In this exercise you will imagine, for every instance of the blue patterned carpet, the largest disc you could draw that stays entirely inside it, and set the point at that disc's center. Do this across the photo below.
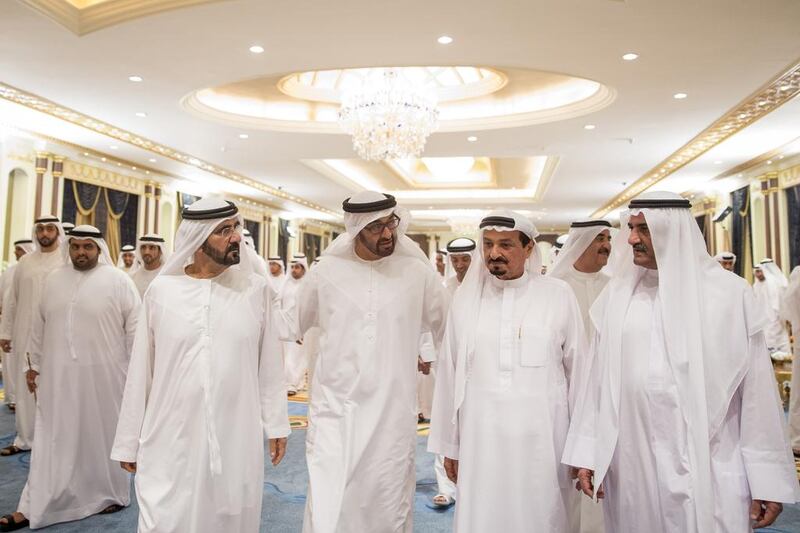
(284, 491)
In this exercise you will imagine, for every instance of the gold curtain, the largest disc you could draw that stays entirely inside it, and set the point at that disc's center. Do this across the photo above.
(113, 237)
(84, 215)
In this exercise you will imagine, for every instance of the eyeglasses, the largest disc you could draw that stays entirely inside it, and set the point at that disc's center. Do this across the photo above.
(377, 227)
(227, 232)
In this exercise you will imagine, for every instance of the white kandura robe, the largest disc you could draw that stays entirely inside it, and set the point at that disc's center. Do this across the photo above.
(277, 282)
(6, 358)
(648, 486)
(19, 310)
(295, 356)
(443, 483)
(587, 286)
(360, 445)
(81, 343)
(511, 429)
(142, 278)
(769, 295)
(204, 384)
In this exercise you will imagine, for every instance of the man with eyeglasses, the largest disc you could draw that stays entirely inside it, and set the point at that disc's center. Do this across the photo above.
(205, 376)
(373, 295)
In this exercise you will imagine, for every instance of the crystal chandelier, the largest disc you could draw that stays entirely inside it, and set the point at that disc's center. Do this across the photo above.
(388, 117)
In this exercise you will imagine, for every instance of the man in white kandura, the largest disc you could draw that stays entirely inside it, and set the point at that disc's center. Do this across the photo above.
(19, 309)
(769, 286)
(295, 359)
(501, 407)
(21, 247)
(81, 341)
(441, 261)
(127, 255)
(373, 295)
(67, 227)
(580, 263)
(276, 275)
(204, 384)
(790, 312)
(679, 425)
(727, 260)
(459, 258)
(151, 255)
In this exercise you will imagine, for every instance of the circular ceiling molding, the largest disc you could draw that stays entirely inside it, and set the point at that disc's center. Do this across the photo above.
(470, 98)
(448, 83)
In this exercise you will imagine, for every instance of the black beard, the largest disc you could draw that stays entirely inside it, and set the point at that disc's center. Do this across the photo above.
(227, 258)
(44, 242)
(376, 248)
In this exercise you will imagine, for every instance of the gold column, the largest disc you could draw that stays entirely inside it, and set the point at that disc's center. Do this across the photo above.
(41, 168)
(148, 193)
(709, 208)
(265, 222)
(58, 171)
(157, 212)
(774, 190)
(767, 214)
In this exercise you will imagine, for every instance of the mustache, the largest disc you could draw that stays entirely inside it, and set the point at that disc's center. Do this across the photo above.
(499, 260)
(232, 247)
(639, 247)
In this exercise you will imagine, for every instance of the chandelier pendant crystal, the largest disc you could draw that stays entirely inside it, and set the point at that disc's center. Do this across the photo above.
(388, 117)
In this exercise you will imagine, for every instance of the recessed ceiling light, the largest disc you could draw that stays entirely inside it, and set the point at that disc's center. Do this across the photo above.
(119, 164)
(114, 147)
(86, 154)
(589, 127)
(472, 138)
(133, 168)
(147, 172)
(136, 79)
(630, 56)
(244, 136)
(444, 39)
(103, 159)
(679, 96)
(780, 157)
(256, 49)
(769, 162)
(141, 114)
(152, 160)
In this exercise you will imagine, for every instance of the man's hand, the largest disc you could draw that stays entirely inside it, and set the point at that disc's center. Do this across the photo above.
(451, 469)
(30, 378)
(5, 345)
(585, 483)
(424, 367)
(277, 449)
(128, 467)
(764, 513)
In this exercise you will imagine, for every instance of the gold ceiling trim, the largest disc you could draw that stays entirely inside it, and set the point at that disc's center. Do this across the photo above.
(773, 155)
(409, 180)
(95, 16)
(53, 109)
(763, 101)
(151, 173)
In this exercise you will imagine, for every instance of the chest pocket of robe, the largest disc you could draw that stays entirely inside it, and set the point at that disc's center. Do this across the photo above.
(535, 346)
